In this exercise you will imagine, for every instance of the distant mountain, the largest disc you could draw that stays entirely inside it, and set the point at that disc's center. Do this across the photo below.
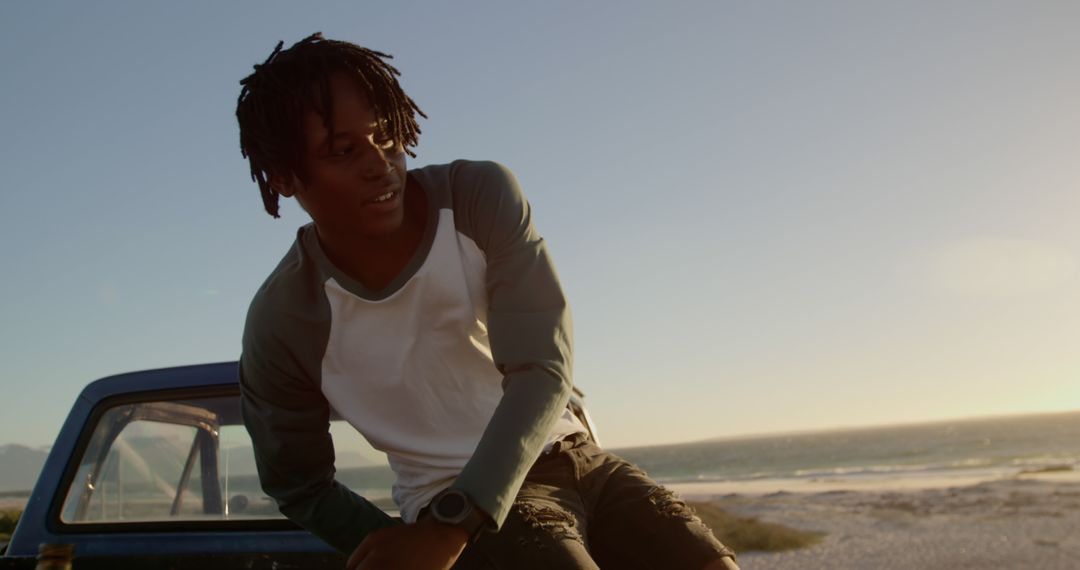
(20, 466)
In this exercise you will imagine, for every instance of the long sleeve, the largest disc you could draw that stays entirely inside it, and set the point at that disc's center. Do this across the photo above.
(530, 334)
(288, 420)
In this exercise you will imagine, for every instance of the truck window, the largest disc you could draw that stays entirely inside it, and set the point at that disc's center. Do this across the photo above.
(191, 459)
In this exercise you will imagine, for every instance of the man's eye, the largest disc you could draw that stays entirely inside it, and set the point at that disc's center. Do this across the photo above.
(342, 151)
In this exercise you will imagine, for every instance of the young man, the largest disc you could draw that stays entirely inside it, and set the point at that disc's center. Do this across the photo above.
(423, 308)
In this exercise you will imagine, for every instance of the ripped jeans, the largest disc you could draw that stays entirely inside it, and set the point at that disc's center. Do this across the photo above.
(584, 508)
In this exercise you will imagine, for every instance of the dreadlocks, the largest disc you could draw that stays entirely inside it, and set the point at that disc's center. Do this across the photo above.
(275, 97)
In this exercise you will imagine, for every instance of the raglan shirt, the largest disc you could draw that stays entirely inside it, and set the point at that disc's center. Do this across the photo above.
(459, 370)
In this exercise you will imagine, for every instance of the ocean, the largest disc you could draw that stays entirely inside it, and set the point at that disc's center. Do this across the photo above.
(985, 447)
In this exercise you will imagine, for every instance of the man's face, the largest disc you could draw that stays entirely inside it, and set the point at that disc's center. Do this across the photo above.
(356, 180)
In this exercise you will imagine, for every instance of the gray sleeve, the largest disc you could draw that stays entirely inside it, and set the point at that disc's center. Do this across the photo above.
(288, 419)
(529, 329)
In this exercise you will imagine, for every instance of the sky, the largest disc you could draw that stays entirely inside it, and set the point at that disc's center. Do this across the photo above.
(767, 216)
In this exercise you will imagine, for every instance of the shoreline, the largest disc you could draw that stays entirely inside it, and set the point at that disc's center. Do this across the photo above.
(708, 490)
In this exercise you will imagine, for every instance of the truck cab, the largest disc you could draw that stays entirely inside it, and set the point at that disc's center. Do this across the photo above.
(155, 469)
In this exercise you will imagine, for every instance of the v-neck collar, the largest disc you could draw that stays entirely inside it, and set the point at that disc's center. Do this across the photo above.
(354, 286)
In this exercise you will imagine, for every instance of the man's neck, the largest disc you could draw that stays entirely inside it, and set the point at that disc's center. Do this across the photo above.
(377, 261)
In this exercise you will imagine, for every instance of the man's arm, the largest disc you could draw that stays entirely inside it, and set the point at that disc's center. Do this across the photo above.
(288, 419)
(529, 330)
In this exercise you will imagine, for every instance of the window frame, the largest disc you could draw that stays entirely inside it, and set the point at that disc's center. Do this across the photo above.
(82, 446)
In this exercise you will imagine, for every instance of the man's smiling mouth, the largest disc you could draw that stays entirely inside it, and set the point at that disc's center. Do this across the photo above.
(382, 197)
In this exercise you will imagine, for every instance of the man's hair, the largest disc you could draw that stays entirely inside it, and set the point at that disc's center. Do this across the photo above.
(275, 97)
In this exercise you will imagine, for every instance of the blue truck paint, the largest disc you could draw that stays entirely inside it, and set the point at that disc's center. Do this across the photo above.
(40, 524)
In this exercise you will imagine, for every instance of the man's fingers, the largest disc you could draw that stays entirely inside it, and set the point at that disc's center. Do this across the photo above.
(361, 552)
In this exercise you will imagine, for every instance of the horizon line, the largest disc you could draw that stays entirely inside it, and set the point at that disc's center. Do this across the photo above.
(856, 427)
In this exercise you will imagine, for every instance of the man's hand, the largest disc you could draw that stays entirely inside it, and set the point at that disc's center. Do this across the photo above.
(424, 545)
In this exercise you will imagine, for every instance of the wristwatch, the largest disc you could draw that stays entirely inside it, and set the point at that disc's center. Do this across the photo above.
(452, 506)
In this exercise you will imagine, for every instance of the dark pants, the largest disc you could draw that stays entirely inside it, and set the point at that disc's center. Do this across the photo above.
(584, 508)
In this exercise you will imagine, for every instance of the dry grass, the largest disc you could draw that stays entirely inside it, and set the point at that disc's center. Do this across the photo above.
(8, 518)
(1047, 469)
(743, 534)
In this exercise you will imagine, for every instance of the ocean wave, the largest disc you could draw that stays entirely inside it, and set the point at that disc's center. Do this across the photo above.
(1047, 461)
(1004, 465)
(858, 470)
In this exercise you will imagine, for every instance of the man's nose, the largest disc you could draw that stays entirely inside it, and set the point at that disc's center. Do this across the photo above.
(376, 164)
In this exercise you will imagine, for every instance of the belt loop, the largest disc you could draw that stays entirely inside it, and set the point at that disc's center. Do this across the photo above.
(567, 442)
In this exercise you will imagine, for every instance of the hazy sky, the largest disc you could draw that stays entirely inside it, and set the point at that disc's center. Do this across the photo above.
(768, 216)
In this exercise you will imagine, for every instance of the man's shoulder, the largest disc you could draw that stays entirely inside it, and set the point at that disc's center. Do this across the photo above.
(485, 196)
(461, 167)
(291, 291)
(463, 179)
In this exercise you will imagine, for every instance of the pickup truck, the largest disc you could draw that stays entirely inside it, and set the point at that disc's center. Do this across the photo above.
(155, 470)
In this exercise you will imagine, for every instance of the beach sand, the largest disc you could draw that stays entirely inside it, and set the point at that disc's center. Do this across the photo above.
(1023, 521)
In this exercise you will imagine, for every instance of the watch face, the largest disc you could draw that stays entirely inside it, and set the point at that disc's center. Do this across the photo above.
(450, 505)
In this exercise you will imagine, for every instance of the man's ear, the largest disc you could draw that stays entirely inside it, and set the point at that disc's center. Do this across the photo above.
(287, 186)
